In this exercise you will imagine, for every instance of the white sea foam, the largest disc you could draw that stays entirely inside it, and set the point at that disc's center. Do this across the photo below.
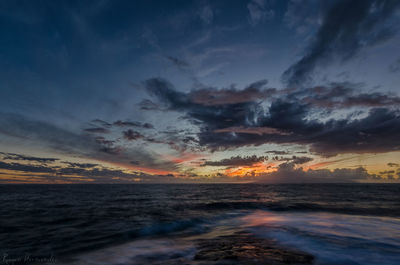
(332, 238)
(137, 252)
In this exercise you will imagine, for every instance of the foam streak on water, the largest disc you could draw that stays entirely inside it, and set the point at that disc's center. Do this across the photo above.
(332, 238)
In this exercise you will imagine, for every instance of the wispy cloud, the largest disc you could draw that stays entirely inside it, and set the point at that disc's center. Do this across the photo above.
(206, 14)
(348, 26)
(260, 11)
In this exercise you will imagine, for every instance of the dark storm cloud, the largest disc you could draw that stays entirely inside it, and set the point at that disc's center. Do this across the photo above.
(91, 173)
(237, 161)
(11, 156)
(149, 105)
(283, 116)
(111, 150)
(27, 168)
(287, 120)
(371, 100)
(348, 26)
(213, 96)
(81, 165)
(377, 132)
(301, 159)
(120, 123)
(374, 133)
(132, 135)
(274, 152)
(180, 140)
(103, 141)
(287, 173)
(295, 160)
(345, 95)
(215, 116)
(389, 174)
(126, 123)
(97, 130)
(166, 92)
(148, 125)
(101, 123)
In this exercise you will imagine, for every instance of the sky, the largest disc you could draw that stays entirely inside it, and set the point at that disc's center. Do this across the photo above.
(261, 91)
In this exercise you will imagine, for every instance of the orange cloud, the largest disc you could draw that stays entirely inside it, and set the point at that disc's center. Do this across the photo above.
(253, 170)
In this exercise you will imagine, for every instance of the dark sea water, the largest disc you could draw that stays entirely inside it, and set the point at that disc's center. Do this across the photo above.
(200, 224)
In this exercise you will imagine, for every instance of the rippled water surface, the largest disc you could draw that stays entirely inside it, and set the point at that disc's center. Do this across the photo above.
(172, 224)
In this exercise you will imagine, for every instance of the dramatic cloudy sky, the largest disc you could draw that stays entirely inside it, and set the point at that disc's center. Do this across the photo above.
(199, 91)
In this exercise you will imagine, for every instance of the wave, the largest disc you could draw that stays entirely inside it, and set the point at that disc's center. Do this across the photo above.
(144, 251)
(171, 227)
(299, 206)
(332, 238)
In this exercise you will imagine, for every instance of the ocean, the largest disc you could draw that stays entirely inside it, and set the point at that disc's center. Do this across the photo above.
(200, 224)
